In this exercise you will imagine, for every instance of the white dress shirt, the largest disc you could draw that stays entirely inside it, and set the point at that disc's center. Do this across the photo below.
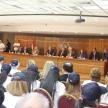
(0, 68)
(14, 71)
(8, 80)
(10, 100)
(89, 81)
(16, 48)
(2, 46)
(104, 99)
(59, 87)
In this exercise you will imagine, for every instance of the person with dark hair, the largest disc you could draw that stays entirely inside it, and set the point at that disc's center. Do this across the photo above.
(67, 68)
(1, 61)
(31, 74)
(90, 96)
(52, 85)
(62, 53)
(4, 78)
(94, 55)
(2, 97)
(49, 51)
(81, 55)
(105, 55)
(8, 46)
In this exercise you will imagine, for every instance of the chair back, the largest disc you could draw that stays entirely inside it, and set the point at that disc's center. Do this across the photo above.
(41, 51)
(29, 50)
(54, 50)
(74, 50)
(66, 101)
(41, 79)
(9, 75)
(46, 94)
(101, 106)
(63, 83)
(85, 53)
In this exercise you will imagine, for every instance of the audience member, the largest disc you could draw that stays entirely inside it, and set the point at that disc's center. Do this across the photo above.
(33, 100)
(71, 54)
(94, 55)
(4, 78)
(95, 76)
(14, 66)
(90, 96)
(8, 46)
(81, 55)
(62, 53)
(46, 68)
(73, 86)
(105, 55)
(36, 50)
(52, 85)
(31, 74)
(15, 90)
(16, 46)
(104, 98)
(1, 61)
(2, 46)
(49, 52)
(67, 68)
(2, 97)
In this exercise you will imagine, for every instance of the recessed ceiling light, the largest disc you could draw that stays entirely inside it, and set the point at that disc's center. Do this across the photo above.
(25, 18)
(33, 31)
(52, 31)
(101, 2)
(102, 33)
(95, 19)
(1, 19)
(19, 31)
(91, 7)
(76, 32)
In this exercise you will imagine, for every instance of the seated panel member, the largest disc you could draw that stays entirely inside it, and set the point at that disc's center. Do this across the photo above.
(105, 55)
(71, 53)
(36, 50)
(49, 52)
(67, 68)
(2, 46)
(62, 52)
(20, 51)
(16, 46)
(81, 55)
(94, 55)
(25, 51)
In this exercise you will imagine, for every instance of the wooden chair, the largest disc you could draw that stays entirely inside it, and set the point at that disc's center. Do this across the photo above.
(41, 79)
(102, 106)
(66, 101)
(46, 94)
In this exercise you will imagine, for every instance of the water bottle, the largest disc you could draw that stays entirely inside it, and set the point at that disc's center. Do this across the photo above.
(9, 50)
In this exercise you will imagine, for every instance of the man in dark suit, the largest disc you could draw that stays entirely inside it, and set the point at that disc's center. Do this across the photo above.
(49, 52)
(94, 55)
(62, 53)
(8, 46)
(67, 68)
(105, 55)
(71, 53)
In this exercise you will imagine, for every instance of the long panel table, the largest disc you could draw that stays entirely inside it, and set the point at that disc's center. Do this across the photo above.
(79, 65)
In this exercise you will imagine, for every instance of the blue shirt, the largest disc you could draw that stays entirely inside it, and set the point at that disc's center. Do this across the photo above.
(83, 55)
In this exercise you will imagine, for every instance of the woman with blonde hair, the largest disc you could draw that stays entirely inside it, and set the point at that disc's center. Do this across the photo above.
(73, 86)
(15, 90)
(104, 98)
(46, 69)
(30, 62)
(36, 50)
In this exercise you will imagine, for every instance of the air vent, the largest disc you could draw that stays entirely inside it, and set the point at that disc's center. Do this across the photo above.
(85, 3)
(6, 25)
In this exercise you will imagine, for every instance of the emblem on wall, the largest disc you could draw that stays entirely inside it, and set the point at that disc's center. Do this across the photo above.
(65, 45)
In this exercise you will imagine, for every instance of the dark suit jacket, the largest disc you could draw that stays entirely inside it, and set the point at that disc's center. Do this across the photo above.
(49, 52)
(63, 77)
(105, 56)
(73, 54)
(8, 47)
(64, 53)
(97, 56)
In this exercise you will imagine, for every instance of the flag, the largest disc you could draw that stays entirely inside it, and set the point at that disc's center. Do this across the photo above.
(33, 44)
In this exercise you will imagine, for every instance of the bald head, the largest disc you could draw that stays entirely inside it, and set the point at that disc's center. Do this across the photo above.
(67, 67)
(33, 100)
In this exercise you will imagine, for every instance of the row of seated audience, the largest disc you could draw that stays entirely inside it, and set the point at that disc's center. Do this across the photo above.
(18, 86)
(68, 53)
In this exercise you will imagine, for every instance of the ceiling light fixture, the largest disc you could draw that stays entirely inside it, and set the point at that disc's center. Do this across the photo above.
(91, 7)
(102, 33)
(76, 32)
(101, 2)
(56, 18)
(104, 7)
(95, 19)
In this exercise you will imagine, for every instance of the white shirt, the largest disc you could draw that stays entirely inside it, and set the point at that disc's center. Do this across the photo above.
(104, 99)
(61, 92)
(89, 81)
(10, 100)
(16, 48)
(0, 68)
(35, 85)
(8, 80)
(2, 46)
(59, 87)
(14, 71)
